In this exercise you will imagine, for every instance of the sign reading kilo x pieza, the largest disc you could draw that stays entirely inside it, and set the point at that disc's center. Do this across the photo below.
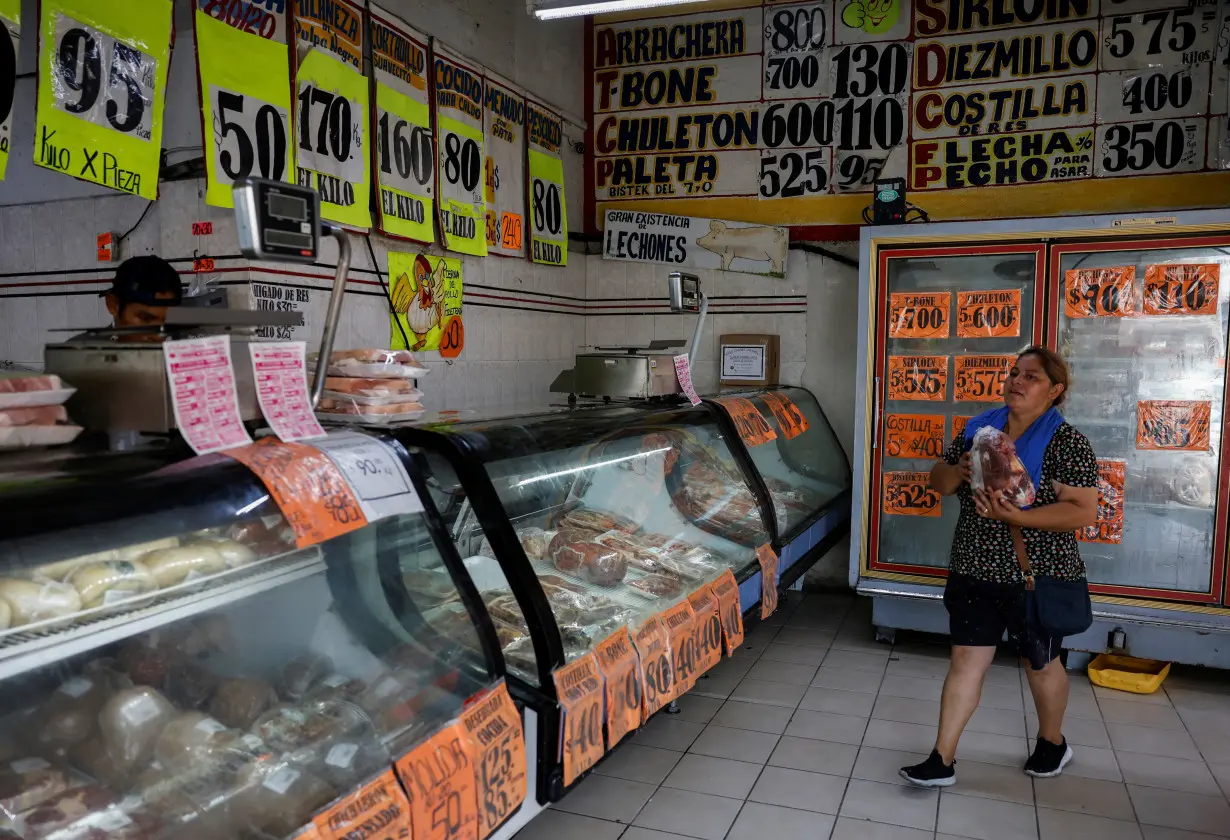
(687, 242)
(246, 105)
(332, 152)
(102, 77)
(10, 39)
(504, 168)
(547, 205)
(459, 123)
(405, 146)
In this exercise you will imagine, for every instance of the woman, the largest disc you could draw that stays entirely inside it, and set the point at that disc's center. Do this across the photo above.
(985, 594)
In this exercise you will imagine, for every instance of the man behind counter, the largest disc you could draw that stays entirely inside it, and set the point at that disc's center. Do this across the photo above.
(143, 289)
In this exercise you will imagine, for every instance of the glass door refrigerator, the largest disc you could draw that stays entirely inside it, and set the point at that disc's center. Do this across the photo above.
(1138, 308)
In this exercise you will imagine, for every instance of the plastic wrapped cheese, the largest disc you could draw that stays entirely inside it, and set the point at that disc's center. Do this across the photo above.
(37, 600)
(28, 782)
(60, 570)
(109, 582)
(70, 714)
(139, 550)
(171, 566)
(233, 553)
(193, 740)
(131, 722)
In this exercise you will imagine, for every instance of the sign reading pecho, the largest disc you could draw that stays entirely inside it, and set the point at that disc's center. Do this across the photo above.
(695, 243)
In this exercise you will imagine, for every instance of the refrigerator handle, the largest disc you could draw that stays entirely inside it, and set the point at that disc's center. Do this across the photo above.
(875, 418)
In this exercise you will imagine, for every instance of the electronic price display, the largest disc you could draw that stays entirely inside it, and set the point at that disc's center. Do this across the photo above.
(277, 221)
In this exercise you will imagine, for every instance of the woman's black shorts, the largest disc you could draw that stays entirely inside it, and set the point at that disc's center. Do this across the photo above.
(980, 612)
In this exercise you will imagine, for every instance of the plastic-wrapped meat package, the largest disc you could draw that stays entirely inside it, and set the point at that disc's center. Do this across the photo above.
(26, 783)
(239, 702)
(596, 521)
(130, 723)
(372, 391)
(70, 714)
(591, 561)
(275, 797)
(718, 503)
(639, 552)
(43, 415)
(195, 740)
(144, 661)
(301, 673)
(21, 383)
(66, 809)
(375, 363)
(996, 468)
(190, 685)
(535, 542)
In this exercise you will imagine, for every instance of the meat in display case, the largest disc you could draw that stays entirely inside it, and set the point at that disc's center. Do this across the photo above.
(177, 662)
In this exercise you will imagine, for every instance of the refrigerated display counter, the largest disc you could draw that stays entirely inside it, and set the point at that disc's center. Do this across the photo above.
(1139, 308)
(174, 664)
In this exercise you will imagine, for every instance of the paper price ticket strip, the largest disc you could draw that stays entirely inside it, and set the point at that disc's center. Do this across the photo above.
(1138, 308)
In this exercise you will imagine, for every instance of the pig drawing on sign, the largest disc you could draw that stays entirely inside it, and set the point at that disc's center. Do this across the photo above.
(759, 244)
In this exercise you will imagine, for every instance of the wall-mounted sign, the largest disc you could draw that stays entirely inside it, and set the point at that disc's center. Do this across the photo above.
(548, 207)
(10, 40)
(426, 294)
(695, 243)
(459, 123)
(504, 168)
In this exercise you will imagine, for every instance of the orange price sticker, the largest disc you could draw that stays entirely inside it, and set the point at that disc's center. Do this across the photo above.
(679, 622)
(1183, 289)
(993, 314)
(493, 726)
(789, 419)
(1099, 292)
(624, 684)
(512, 235)
(452, 337)
(914, 435)
(727, 592)
(749, 422)
(912, 315)
(959, 422)
(1173, 424)
(579, 687)
(380, 802)
(308, 488)
(202, 264)
(909, 494)
(918, 378)
(981, 378)
(1109, 527)
(654, 649)
(768, 560)
(707, 629)
(439, 777)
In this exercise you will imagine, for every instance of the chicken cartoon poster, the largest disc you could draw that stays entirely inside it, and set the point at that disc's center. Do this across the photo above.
(425, 293)
(687, 242)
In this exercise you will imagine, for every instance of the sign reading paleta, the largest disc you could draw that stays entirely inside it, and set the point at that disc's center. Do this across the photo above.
(786, 100)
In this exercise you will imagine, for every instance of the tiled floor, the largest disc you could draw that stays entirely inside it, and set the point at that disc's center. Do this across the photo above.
(801, 733)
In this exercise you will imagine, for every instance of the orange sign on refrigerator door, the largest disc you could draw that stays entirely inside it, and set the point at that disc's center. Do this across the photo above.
(1182, 289)
(789, 418)
(910, 494)
(918, 378)
(1109, 526)
(727, 592)
(1181, 425)
(981, 378)
(1100, 292)
(991, 314)
(439, 778)
(654, 649)
(915, 315)
(914, 435)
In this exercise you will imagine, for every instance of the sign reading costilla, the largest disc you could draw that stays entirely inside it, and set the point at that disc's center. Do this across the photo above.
(695, 243)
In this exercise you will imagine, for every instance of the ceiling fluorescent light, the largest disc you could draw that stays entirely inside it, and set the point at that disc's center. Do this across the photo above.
(599, 7)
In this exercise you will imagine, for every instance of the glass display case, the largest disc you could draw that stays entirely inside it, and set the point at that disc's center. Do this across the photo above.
(172, 665)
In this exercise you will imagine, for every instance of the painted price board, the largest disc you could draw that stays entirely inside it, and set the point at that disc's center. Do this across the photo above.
(1158, 37)
(548, 207)
(1000, 160)
(981, 378)
(426, 296)
(10, 41)
(440, 779)
(581, 692)
(790, 420)
(381, 802)
(1173, 425)
(858, 21)
(102, 78)
(265, 19)
(459, 125)
(625, 684)
(246, 106)
(909, 494)
(768, 560)
(1025, 53)
(1182, 289)
(680, 622)
(727, 592)
(504, 117)
(1156, 93)
(332, 152)
(493, 725)
(796, 47)
(1100, 292)
(749, 422)
(707, 629)
(990, 314)
(914, 435)
(402, 127)
(1151, 147)
(654, 649)
(919, 315)
(918, 378)
(1033, 105)
(1108, 529)
(933, 17)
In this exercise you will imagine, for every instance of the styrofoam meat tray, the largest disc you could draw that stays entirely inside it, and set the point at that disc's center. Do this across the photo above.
(369, 419)
(25, 437)
(30, 399)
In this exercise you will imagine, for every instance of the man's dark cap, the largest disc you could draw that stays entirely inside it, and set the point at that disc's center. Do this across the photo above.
(143, 279)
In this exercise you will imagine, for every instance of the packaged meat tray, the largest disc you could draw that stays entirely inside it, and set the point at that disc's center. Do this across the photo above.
(346, 410)
(29, 437)
(371, 391)
(996, 468)
(43, 415)
(28, 390)
(374, 363)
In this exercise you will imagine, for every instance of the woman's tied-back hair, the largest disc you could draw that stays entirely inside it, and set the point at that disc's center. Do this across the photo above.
(1055, 367)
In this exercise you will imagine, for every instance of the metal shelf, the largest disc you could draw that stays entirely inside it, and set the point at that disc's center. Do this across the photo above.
(35, 645)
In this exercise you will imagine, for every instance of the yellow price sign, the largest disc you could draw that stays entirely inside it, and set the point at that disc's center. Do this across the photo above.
(504, 139)
(548, 208)
(459, 121)
(246, 106)
(426, 292)
(10, 39)
(102, 78)
(332, 153)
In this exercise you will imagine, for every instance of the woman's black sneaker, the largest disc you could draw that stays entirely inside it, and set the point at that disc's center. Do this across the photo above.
(931, 773)
(1048, 759)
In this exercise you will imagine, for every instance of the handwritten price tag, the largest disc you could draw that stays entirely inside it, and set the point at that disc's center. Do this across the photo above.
(1173, 425)
(654, 649)
(918, 378)
(1109, 527)
(493, 726)
(981, 378)
(919, 315)
(1100, 292)
(995, 314)
(749, 422)
(580, 689)
(439, 778)
(308, 488)
(908, 494)
(381, 802)
(375, 471)
(202, 228)
(624, 684)
(768, 560)
(727, 592)
(707, 628)
(789, 418)
(1184, 289)
(959, 422)
(914, 435)
(202, 265)
(679, 622)
(452, 337)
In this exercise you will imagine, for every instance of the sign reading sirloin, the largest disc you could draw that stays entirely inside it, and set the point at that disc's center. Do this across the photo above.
(695, 243)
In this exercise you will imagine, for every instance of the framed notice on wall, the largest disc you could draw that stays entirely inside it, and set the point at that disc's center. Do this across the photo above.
(749, 360)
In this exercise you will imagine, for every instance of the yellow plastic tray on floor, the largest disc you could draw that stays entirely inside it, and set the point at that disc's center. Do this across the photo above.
(1127, 673)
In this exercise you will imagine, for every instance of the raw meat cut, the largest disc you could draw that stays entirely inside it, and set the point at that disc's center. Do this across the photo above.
(21, 383)
(43, 415)
(996, 468)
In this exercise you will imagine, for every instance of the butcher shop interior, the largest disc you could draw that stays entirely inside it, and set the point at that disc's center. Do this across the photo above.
(614, 419)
